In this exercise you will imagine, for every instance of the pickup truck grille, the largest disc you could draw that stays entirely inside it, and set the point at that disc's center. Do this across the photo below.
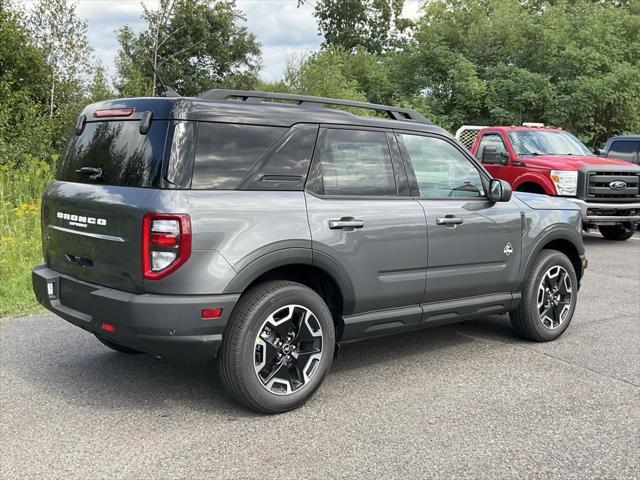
(602, 185)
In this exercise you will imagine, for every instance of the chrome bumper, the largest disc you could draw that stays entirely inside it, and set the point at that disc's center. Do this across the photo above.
(589, 208)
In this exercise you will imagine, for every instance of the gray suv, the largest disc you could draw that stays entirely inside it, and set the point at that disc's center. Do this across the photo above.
(268, 229)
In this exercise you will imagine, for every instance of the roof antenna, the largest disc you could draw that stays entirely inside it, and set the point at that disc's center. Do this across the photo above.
(167, 91)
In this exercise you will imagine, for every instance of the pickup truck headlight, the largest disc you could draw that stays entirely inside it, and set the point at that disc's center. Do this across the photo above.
(566, 182)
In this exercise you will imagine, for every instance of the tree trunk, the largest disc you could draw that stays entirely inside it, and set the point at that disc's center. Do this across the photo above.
(51, 94)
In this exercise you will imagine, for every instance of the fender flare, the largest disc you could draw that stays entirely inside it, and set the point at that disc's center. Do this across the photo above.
(295, 256)
(552, 233)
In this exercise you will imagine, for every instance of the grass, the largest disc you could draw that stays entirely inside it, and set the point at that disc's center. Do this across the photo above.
(20, 244)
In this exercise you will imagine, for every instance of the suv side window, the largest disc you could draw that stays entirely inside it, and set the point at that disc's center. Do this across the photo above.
(225, 152)
(493, 140)
(441, 170)
(357, 162)
(624, 150)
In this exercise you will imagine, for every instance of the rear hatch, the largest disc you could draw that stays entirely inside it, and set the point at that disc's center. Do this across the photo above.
(92, 214)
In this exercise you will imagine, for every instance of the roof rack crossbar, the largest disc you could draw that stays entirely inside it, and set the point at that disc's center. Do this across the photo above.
(247, 96)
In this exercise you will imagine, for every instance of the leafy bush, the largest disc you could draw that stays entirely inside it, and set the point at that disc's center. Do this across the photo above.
(20, 246)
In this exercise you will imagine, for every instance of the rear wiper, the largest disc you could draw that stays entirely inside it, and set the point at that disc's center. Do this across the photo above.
(95, 173)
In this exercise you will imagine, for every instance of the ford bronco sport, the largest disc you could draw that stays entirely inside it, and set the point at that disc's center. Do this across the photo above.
(538, 159)
(265, 229)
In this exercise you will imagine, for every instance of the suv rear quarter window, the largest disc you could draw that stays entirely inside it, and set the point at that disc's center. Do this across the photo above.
(225, 153)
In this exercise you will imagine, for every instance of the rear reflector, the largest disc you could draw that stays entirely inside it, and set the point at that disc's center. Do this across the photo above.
(107, 327)
(211, 313)
(113, 112)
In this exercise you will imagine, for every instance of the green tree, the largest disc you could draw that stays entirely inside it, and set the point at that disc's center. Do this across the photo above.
(193, 44)
(573, 63)
(23, 92)
(374, 25)
(62, 36)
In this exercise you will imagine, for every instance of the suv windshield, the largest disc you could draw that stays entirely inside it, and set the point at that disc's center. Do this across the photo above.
(547, 142)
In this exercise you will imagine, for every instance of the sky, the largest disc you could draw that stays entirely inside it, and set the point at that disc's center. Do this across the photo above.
(284, 30)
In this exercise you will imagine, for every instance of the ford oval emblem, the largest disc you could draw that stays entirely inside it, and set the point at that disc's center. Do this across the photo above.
(617, 185)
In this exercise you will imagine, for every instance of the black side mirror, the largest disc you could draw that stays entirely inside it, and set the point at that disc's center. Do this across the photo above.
(499, 190)
(490, 154)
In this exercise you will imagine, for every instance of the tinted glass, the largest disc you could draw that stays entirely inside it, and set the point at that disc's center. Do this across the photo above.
(356, 162)
(225, 153)
(123, 155)
(624, 150)
(287, 165)
(442, 171)
(491, 140)
(183, 147)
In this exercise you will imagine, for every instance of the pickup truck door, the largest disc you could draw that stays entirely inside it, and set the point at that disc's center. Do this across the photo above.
(474, 245)
(494, 155)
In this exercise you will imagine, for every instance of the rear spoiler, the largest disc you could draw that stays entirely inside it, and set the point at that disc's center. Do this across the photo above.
(467, 134)
(144, 110)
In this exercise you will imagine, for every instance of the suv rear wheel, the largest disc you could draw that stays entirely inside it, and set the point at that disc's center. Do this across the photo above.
(617, 232)
(277, 347)
(548, 299)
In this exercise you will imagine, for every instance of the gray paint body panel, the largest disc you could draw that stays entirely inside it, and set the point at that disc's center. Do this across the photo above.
(398, 272)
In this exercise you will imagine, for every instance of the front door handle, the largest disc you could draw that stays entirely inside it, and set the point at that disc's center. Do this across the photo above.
(345, 223)
(449, 220)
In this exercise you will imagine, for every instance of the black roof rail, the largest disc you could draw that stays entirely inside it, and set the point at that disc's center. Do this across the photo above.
(248, 96)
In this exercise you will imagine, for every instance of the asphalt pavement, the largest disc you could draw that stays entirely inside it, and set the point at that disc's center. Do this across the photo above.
(463, 401)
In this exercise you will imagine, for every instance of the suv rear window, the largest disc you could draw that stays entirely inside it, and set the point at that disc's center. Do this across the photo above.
(225, 153)
(124, 156)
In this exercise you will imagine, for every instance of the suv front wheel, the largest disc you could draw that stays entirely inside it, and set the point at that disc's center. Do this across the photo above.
(277, 347)
(548, 298)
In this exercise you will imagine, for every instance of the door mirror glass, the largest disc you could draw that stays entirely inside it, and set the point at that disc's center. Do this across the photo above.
(492, 149)
(491, 154)
(499, 190)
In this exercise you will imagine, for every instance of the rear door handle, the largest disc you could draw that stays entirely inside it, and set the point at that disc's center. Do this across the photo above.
(345, 223)
(449, 220)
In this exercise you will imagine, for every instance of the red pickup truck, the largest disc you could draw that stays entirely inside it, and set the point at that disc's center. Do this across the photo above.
(538, 159)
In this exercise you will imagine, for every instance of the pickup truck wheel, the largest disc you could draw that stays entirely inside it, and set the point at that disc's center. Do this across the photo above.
(116, 347)
(548, 299)
(617, 232)
(277, 347)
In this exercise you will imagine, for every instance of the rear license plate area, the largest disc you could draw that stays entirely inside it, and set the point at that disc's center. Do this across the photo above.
(74, 295)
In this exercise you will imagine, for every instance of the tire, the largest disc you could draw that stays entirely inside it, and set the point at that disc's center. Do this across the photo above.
(117, 347)
(545, 313)
(619, 233)
(248, 362)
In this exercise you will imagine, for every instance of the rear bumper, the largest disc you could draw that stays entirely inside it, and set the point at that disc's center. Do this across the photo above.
(164, 325)
(607, 213)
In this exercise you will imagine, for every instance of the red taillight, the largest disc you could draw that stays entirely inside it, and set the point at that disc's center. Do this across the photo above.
(211, 313)
(107, 327)
(164, 239)
(113, 112)
(166, 243)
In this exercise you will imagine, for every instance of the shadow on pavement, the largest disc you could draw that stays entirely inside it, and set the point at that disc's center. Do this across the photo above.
(73, 367)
